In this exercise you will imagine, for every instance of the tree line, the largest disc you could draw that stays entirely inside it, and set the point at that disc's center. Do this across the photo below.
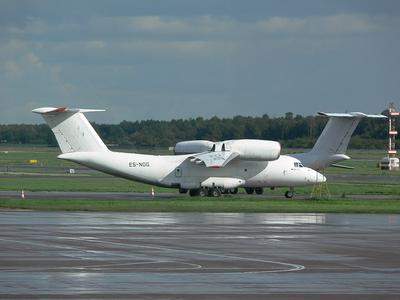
(293, 131)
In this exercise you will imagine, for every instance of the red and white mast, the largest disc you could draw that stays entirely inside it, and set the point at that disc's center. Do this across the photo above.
(393, 114)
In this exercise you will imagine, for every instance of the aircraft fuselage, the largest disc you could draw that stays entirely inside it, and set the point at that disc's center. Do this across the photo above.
(179, 172)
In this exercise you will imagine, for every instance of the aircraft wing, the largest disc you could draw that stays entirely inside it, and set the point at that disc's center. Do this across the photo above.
(214, 159)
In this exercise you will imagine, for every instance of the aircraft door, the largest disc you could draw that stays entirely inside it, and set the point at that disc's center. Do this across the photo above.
(178, 172)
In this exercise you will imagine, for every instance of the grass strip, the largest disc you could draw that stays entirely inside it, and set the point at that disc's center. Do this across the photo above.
(113, 184)
(208, 205)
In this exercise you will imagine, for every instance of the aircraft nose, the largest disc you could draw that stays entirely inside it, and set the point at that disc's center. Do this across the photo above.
(315, 177)
(320, 178)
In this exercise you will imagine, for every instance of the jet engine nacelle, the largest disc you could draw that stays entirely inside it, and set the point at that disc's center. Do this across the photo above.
(190, 147)
(257, 150)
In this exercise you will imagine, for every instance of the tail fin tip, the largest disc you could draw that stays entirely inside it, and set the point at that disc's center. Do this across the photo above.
(46, 110)
(350, 115)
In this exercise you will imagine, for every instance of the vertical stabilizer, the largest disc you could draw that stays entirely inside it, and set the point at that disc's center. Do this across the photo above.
(336, 135)
(331, 145)
(72, 130)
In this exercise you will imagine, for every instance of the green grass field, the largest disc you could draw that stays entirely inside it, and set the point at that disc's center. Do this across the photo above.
(73, 183)
(19, 155)
(113, 184)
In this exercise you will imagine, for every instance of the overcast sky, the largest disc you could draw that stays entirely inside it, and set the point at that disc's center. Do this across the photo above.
(180, 59)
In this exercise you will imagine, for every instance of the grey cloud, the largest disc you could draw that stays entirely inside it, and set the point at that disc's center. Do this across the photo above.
(186, 64)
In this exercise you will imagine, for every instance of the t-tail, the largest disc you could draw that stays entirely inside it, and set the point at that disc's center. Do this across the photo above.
(331, 145)
(72, 130)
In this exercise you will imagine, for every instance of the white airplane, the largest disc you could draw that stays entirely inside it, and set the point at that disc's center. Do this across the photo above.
(329, 149)
(224, 166)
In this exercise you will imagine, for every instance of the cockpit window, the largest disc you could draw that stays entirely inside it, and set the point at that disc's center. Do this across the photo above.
(301, 166)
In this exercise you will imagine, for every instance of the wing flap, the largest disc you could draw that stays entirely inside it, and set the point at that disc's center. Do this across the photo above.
(214, 159)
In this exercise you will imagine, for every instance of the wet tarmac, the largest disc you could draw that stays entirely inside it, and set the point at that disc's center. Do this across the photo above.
(198, 256)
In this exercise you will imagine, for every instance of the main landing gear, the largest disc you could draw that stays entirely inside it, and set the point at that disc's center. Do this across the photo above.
(211, 192)
(257, 190)
(203, 192)
(290, 193)
(217, 192)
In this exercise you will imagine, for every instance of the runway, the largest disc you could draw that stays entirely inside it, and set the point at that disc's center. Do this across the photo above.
(158, 196)
(198, 256)
(88, 195)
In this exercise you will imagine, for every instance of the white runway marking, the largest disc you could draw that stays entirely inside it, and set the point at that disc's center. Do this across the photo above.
(290, 267)
(193, 266)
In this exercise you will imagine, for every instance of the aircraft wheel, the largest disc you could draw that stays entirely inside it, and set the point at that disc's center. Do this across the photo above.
(194, 192)
(234, 191)
(289, 194)
(215, 192)
(183, 191)
(259, 191)
(249, 190)
(203, 192)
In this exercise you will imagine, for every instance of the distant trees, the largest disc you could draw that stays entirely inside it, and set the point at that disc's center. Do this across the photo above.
(27, 134)
(293, 131)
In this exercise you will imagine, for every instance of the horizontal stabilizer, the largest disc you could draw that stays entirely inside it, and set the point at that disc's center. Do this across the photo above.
(350, 115)
(342, 166)
(46, 110)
